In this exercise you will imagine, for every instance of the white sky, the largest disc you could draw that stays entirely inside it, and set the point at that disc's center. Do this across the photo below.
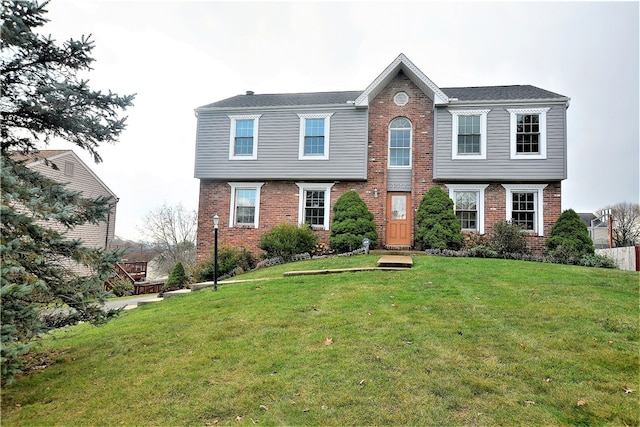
(179, 55)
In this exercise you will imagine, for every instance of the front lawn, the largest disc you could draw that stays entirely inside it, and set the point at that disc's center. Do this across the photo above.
(453, 341)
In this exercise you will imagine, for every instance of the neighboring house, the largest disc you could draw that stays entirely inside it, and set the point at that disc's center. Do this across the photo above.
(598, 229)
(500, 153)
(78, 177)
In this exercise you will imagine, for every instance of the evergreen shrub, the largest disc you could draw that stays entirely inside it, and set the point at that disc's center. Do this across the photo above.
(437, 225)
(569, 238)
(177, 279)
(352, 222)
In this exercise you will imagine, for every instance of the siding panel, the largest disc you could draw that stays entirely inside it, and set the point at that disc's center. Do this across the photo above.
(498, 165)
(278, 145)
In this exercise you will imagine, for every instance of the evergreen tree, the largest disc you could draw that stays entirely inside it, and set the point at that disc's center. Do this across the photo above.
(177, 278)
(352, 222)
(437, 224)
(569, 237)
(42, 98)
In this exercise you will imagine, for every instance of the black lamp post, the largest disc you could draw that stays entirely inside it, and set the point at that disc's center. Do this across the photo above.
(216, 220)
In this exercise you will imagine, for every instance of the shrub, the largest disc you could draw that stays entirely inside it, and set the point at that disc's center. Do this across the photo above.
(230, 259)
(352, 222)
(177, 279)
(482, 251)
(596, 260)
(122, 288)
(438, 227)
(508, 238)
(287, 240)
(569, 238)
(472, 240)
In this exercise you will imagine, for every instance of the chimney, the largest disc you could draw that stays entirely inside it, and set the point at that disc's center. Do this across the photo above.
(249, 92)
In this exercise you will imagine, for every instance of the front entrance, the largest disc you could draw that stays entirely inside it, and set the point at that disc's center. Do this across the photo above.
(398, 219)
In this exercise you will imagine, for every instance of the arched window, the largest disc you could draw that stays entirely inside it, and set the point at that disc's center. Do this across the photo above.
(400, 143)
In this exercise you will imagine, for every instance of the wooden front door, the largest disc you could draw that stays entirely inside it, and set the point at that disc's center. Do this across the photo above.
(398, 219)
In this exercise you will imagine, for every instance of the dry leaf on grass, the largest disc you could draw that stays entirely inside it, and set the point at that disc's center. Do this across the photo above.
(581, 403)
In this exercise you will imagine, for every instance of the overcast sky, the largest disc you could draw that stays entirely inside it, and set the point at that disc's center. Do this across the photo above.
(179, 55)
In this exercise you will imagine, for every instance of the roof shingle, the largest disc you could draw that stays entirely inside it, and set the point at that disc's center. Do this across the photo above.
(480, 93)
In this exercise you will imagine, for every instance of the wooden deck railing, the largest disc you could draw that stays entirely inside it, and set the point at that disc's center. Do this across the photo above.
(136, 274)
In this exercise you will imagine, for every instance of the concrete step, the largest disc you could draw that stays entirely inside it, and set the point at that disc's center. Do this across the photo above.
(398, 261)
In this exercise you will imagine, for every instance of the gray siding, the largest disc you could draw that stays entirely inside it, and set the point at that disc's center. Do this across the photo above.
(398, 179)
(278, 146)
(498, 165)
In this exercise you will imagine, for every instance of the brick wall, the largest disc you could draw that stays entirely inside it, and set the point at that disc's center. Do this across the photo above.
(382, 110)
(278, 204)
(495, 210)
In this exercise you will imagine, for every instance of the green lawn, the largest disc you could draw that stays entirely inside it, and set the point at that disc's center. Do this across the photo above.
(453, 341)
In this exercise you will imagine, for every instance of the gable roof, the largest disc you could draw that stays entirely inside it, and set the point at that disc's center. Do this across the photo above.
(440, 96)
(39, 157)
(402, 63)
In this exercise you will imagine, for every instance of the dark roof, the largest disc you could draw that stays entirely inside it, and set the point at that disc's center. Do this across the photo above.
(586, 217)
(286, 99)
(486, 93)
(499, 93)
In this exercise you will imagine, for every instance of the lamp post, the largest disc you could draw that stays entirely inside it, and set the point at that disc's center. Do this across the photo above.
(216, 220)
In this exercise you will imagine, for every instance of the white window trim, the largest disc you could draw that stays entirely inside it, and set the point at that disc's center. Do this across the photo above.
(528, 188)
(479, 188)
(483, 134)
(542, 122)
(232, 136)
(244, 186)
(410, 146)
(327, 133)
(311, 186)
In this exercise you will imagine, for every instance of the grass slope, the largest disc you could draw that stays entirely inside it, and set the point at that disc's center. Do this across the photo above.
(452, 341)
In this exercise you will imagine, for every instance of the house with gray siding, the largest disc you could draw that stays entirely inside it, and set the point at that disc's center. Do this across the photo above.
(77, 176)
(267, 159)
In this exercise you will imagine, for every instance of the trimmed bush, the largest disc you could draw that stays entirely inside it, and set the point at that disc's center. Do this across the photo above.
(438, 226)
(287, 240)
(569, 238)
(352, 222)
(230, 260)
(177, 279)
(508, 238)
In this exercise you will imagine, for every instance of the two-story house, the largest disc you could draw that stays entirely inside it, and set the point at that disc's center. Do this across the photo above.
(500, 153)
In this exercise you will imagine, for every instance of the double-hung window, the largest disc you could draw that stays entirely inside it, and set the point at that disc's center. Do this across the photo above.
(400, 143)
(468, 205)
(314, 204)
(245, 204)
(243, 140)
(528, 133)
(469, 134)
(314, 136)
(525, 206)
